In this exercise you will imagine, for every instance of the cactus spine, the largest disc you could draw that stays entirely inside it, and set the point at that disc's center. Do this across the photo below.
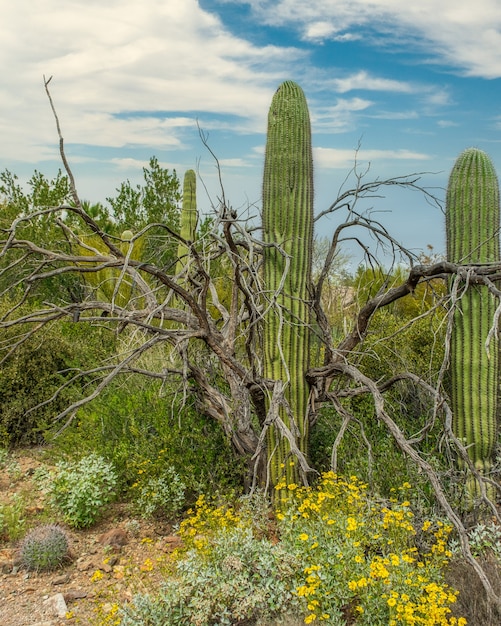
(288, 223)
(472, 226)
(189, 217)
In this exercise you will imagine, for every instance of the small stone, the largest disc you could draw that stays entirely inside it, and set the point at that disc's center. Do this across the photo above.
(61, 580)
(115, 538)
(173, 542)
(57, 605)
(74, 594)
(85, 564)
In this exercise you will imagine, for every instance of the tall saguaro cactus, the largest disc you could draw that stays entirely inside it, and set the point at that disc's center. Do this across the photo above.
(288, 233)
(472, 226)
(189, 217)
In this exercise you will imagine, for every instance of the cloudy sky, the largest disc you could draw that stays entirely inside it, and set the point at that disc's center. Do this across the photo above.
(412, 83)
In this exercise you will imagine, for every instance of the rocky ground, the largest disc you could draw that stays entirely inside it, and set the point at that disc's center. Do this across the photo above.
(110, 562)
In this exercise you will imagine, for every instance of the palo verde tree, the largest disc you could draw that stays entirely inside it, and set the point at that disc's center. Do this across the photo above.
(219, 349)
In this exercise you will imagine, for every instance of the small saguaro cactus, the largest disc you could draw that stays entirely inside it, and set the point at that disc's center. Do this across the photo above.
(189, 217)
(472, 227)
(288, 235)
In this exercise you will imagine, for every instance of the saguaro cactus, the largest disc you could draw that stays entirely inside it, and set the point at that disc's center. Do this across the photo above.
(189, 217)
(288, 233)
(472, 226)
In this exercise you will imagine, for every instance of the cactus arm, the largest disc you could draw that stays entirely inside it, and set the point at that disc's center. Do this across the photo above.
(288, 223)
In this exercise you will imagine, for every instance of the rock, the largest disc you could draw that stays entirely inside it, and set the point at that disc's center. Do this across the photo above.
(6, 565)
(84, 564)
(57, 605)
(115, 538)
(74, 594)
(172, 542)
(62, 579)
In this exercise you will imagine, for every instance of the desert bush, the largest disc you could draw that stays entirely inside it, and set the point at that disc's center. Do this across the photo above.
(81, 489)
(137, 425)
(40, 366)
(233, 577)
(360, 558)
(333, 554)
(158, 490)
(12, 518)
(367, 449)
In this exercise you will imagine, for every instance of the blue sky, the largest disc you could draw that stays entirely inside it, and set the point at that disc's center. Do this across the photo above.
(412, 85)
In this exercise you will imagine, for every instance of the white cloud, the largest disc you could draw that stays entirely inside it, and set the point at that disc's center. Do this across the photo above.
(466, 35)
(320, 30)
(338, 117)
(362, 80)
(345, 159)
(233, 162)
(446, 123)
(121, 57)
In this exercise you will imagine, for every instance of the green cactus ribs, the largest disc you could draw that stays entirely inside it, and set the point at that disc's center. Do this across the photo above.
(472, 227)
(288, 233)
(189, 218)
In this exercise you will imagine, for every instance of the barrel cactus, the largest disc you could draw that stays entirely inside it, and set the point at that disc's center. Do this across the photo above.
(472, 227)
(44, 548)
(288, 237)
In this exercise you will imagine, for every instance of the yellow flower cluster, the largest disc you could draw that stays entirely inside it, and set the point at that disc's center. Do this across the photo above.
(313, 582)
(108, 615)
(359, 553)
(204, 520)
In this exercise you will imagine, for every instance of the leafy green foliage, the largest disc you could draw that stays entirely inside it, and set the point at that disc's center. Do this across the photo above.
(44, 548)
(360, 556)
(40, 366)
(140, 426)
(160, 491)
(333, 554)
(43, 192)
(81, 489)
(12, 518)
(156, 201)
(228, 575)
(39, 226)
(393, 346)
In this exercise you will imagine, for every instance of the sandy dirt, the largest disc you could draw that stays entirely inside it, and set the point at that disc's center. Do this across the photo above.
(118, 557)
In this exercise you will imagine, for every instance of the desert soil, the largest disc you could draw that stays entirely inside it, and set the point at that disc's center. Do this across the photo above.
(110, 562)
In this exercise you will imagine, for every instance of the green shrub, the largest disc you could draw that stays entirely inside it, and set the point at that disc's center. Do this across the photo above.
(44, 548)
(40, 366)
(141, 426)
(155, 494)
(239, 578)
(333, 555)
(12, 520)
(81, 489)
(360, 556)
(367, 448)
